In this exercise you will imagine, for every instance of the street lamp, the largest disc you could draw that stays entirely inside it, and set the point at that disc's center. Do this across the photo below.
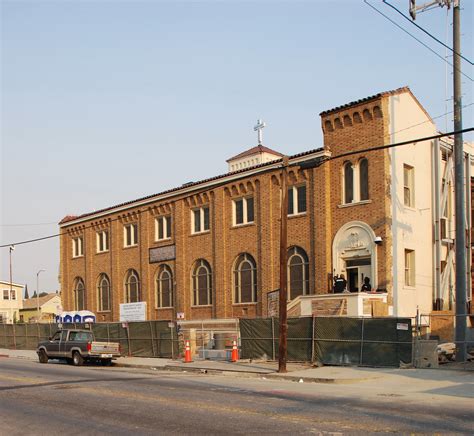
(37, 293)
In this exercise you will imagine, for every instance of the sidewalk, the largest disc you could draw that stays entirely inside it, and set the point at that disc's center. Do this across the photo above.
(296, 371)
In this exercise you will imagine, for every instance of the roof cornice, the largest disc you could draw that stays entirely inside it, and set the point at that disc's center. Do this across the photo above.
(190, 188)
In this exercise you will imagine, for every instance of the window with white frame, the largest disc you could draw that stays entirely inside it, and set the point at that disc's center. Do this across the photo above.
(164, 287)
(130, 235)
(409, 267)
(298, 272)
(6, 294)
(12, 294)
(243, 211)
(79, 294)
(355, 181)
(245, 279)
(200, 220)
(132, 287)
(408, 186)
(202, 283)
(296, 200)
(162, 228)
(102, 241)
(103, 292)
(78, 247)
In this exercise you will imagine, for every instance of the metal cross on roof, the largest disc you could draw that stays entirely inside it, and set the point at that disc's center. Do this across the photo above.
(258, 128)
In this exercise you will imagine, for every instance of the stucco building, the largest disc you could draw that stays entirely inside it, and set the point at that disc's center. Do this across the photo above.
(41, 309)
(210, 249)
(11, 301)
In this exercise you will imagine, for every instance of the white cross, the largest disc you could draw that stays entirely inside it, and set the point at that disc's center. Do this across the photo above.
(258, 128)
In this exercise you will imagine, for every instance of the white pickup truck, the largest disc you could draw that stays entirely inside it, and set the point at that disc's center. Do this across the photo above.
(77, 346)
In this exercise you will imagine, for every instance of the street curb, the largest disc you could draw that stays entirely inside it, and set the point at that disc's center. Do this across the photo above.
(195, 369)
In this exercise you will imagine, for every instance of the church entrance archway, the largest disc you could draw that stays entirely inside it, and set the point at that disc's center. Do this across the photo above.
(355, 255)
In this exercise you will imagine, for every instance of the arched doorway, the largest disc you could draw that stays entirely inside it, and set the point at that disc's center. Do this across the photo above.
(355, 255)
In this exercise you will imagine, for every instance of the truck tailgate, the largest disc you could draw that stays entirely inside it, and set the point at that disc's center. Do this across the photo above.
(100, 348)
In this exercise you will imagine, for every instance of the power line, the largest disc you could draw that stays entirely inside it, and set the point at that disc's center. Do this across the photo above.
(380, 147)
(425, 31)
(428, 121)
(416, 39)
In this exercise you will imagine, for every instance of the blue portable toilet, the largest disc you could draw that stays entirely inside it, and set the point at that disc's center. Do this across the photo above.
(67, 317)
(77, 317)
(86, 316)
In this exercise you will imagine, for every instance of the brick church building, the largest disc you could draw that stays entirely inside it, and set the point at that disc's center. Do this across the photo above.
(210, 249)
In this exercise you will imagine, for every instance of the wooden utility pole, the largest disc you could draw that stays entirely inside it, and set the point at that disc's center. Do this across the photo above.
(282, 349)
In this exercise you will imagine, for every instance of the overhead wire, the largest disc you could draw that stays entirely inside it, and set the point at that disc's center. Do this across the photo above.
(417, 39)
(426, 32)
(381, 147)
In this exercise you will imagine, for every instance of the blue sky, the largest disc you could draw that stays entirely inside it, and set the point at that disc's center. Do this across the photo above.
(106, 101)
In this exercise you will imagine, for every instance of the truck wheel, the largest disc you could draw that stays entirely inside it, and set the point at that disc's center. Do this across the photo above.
(77, 359)
(43, 357)
(106, 362)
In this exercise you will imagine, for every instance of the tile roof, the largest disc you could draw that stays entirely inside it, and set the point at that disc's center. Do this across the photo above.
(31, 303)
(69, 218)
(255, 150)
(367, 99)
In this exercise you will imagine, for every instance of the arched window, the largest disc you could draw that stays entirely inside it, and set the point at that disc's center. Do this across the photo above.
(164, 287)
(132, 287)
(348, 183)
(364, 179)
(202, 283)
(103, 291)
(79, 294)
(298, 272)
(245, 279)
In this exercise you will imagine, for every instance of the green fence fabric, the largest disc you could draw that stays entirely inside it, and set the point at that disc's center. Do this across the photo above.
(331, 340)
(257, 339)
(144, 339)
(260, 339)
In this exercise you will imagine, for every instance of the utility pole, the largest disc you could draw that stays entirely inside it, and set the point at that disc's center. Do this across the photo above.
(12, 247)
(282, 349)
(459, 186)
(461, 282)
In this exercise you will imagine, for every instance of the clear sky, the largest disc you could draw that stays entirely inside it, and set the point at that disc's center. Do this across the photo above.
(107, 101)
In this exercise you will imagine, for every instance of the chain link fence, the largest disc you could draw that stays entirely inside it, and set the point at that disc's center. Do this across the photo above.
(140, 339)
(331, 340)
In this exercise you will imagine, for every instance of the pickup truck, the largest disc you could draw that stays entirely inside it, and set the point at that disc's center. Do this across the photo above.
(77, 346)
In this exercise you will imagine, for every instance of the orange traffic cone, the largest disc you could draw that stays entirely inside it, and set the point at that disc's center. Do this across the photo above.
(187, 353)
(235, 353)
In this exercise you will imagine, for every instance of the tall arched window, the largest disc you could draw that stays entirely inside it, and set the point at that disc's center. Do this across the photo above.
(245, 279)
(298, 272)
(348, 183)
(132, 287)
(364, 179)
(79, 294)
(164, 287)
(202, 283)
(103, 292)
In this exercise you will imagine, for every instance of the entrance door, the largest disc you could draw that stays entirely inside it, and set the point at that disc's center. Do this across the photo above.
(357, 270)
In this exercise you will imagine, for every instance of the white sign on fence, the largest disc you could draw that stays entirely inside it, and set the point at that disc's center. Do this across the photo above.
(133, 312)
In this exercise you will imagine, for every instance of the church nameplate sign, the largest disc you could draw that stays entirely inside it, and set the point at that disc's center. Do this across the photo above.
(159, 254)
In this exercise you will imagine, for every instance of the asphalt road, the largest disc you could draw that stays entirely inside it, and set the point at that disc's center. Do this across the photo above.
(52, 399)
